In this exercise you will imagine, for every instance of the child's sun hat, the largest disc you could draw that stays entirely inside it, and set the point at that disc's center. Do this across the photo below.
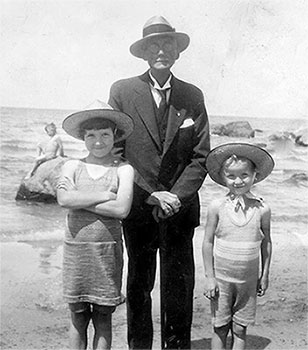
(261, 158)
(98, 109)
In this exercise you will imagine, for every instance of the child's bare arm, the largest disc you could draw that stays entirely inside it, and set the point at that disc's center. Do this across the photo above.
(266, 250)
(60, 146)
(70, 197)
(119, 207)
(39, 148)
(211, 288)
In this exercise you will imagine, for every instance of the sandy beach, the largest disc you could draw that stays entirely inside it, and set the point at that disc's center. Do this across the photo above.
(33, 315)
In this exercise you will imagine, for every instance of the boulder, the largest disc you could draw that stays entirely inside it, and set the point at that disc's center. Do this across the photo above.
(234, 129)
(218, 129)
(301, 137)
(41, 186)
(239, 129)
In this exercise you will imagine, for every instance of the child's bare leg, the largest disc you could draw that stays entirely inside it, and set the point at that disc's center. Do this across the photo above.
(102, 329)
(32, 171)
(219, 337)
(238, 336)
(78, 329)
(38, 162)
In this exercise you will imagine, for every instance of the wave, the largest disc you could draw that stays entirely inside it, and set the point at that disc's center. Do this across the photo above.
(294, 158)
(9, 159)
(289, 177)
(291, 218)
(17, 148)
(55, 235)
(5, 170)
(298, 179)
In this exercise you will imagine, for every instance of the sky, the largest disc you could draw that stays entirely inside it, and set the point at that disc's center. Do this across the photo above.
(249, 57)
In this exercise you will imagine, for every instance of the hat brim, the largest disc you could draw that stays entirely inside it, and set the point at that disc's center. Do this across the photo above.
(137, 49)
(261, 158)
(123, 122)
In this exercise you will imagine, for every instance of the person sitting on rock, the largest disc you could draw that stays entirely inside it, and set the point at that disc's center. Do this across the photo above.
(48, 150)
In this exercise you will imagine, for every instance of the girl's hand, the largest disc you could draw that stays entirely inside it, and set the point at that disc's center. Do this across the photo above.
(211, 288)
(65, 184)
(110, 196)
(262, 286)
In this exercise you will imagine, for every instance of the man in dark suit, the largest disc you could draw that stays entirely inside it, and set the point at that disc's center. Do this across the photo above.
(167, 148)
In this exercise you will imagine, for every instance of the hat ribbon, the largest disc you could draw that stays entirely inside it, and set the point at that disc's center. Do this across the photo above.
(157, 28)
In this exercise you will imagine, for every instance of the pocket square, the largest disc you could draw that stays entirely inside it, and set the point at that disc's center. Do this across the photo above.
(187, 122)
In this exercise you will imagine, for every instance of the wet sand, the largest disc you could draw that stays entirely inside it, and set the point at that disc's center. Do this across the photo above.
(33, 315)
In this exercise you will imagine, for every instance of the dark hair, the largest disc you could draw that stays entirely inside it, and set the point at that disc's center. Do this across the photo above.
(96, 124)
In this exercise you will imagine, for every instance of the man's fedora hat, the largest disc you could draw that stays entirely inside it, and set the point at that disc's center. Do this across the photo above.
(158, 26)
(261, 159)
(97, 109)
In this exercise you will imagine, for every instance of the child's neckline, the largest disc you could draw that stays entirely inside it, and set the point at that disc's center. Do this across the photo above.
(237, 218)
(98, 171)
(113, 162)
(236, 206)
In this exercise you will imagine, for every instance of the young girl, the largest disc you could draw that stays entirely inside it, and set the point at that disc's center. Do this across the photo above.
(239, 223)
(97, 190)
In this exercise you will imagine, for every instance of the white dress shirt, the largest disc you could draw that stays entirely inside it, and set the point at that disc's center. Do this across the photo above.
(156, 95)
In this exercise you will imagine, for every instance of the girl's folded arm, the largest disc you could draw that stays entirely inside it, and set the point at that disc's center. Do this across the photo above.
(120, 206)
(69, 197)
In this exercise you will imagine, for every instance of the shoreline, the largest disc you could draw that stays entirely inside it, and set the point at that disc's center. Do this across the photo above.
(33, 315)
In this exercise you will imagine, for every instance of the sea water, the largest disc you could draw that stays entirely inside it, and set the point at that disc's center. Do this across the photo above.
(286, 189)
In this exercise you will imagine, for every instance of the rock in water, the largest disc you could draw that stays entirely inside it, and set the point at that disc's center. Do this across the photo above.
(41, 187)
(218, 129)
(233, 129)
(239, 129)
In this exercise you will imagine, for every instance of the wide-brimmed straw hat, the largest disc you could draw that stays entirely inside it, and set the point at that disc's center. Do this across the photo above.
(158, 26)
(98, 109)
(261, 158)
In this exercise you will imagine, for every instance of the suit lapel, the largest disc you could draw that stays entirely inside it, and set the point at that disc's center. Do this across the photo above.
(175, 119)
(145, 107)
(175, 116)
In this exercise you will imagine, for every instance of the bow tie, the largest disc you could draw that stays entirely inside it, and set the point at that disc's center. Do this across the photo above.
(238, 202)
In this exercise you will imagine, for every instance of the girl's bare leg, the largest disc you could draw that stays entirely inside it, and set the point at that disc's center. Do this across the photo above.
(102, 330)
(78, 329)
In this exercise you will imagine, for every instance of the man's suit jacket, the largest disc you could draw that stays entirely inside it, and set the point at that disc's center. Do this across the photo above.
(177, 166)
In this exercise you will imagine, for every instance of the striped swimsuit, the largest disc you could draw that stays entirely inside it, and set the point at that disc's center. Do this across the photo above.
(93, 250)
(236, 264)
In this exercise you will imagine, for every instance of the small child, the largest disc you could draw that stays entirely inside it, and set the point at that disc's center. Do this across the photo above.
(48, 150)
(98, 192)
(239, 225)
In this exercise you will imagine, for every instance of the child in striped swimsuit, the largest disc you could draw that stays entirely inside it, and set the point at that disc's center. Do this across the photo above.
(98, 192)
(237, 232)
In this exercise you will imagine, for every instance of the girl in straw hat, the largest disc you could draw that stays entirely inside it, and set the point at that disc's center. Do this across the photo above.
(97, 190)
(239, 225)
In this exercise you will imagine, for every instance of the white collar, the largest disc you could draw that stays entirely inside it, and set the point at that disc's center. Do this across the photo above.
(238, 200)
(167, 84)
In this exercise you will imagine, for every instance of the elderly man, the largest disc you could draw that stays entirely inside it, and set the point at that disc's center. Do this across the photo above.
(167, 149)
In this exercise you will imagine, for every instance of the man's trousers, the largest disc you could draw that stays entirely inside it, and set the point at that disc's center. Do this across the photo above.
(176, 283)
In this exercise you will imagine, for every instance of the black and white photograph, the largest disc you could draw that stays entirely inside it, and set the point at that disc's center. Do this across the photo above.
(154, 174)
